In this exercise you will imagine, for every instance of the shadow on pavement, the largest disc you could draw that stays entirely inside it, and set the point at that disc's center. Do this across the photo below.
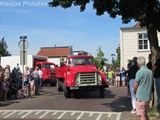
(120, 104)
(8, 102)
(92, 94)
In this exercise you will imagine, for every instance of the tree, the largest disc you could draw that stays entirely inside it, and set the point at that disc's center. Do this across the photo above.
(147, 12)
(85, 53)
(3, 48)
(117, 61)
(99, 59)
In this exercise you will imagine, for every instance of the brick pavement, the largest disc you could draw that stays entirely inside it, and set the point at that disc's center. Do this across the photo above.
(122, 104)
(126, 113)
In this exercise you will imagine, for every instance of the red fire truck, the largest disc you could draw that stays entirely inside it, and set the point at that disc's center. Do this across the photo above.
(48, 68)
(80, 73)
(48, 72)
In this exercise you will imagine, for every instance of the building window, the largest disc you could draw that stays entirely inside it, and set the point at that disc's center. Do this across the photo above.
(143, 43)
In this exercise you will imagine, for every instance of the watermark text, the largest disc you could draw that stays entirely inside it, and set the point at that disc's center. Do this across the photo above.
(22, 3)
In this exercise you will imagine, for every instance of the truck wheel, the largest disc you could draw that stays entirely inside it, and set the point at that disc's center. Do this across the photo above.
(101, 92)
(67, 92)
(52, 83)
(59, 85)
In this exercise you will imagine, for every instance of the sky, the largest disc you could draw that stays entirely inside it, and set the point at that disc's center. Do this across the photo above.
(45, 26)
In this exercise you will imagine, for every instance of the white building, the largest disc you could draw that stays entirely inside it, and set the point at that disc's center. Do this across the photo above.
(134, 42)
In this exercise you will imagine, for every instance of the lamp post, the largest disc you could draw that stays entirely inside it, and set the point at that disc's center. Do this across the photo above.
(113, 55)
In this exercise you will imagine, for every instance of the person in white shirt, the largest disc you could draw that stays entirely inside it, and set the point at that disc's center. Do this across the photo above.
(40, 77)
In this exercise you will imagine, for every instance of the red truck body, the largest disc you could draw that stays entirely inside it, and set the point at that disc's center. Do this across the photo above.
(48, 69)
(80, 73)
(48, 72)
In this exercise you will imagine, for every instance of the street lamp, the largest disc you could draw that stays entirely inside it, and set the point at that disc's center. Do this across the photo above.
(113, 55)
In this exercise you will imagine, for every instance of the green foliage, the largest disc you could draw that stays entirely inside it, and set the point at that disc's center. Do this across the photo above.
(3, 48)
(139, 10)
(68, 3)
(152, 113)
(99, 59)
(117, 61)
(85, 53)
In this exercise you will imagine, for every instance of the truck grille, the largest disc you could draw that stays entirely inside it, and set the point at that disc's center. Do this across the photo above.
(87, 79)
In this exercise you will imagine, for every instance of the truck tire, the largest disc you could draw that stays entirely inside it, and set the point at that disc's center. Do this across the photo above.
(52, 83)
(101, 92)
(67, 92)
(59, 85)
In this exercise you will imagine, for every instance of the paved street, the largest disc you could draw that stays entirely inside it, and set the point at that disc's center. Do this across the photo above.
(84, 106)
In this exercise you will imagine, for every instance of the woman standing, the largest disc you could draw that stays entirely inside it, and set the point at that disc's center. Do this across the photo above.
(31, 79)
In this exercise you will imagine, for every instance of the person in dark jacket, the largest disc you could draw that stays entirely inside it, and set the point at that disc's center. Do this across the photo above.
(149, 65)
(131, 76)
(156, 70)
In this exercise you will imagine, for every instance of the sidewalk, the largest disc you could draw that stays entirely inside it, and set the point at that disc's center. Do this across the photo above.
(126, 113)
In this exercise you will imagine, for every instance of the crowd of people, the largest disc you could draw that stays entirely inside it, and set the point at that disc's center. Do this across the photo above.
(11, 80)
(141, 78)
(116, 78)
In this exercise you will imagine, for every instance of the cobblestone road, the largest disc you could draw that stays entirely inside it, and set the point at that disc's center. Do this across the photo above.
(53, 105)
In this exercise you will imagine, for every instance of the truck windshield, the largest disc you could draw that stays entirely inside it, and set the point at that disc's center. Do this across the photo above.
(81, 61)
(48, 66)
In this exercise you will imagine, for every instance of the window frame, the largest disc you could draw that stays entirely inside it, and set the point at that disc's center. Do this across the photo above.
(143, 44)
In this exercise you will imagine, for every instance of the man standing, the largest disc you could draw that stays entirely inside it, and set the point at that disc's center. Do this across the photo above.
(149, 65)
(35, 75)
(111, 77)
(40, 77)
(143, 89)
(123, 76)
(156, 70)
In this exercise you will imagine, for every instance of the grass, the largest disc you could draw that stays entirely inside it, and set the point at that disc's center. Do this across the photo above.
(152, 113)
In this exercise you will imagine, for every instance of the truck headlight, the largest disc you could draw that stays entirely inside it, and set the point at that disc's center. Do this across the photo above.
(99, 79)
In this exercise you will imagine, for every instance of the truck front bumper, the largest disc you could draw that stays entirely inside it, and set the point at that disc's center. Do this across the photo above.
(87, 87)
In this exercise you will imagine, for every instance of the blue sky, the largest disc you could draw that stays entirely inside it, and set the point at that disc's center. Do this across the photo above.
(46, 27)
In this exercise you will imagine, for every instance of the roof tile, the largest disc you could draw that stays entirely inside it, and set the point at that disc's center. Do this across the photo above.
(54, 51)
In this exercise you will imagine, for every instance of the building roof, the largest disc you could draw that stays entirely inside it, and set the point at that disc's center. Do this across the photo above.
(137, 24)
(55, 51)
